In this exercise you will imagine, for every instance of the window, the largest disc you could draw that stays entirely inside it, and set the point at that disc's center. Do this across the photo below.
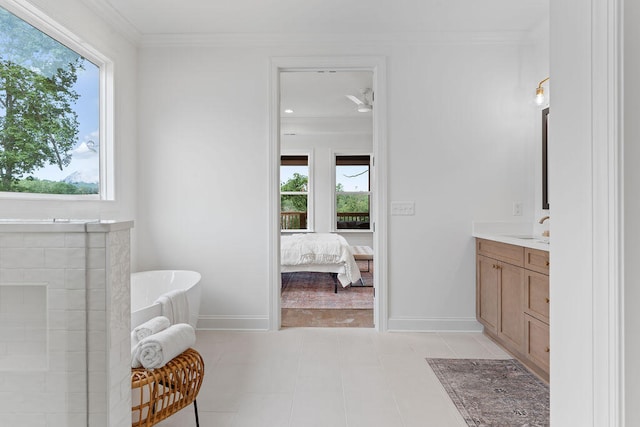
(51, 101)
(294, 192)
(353, 195)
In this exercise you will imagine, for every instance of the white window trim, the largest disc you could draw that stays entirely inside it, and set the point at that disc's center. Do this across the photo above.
(310, 194)
(334, 208)
(35, 17)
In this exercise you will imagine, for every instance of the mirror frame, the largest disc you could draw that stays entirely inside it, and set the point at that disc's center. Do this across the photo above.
(545, 177)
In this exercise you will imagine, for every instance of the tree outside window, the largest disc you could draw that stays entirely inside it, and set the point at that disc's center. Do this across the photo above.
(294, 192)
(49, 113)
(353, 195)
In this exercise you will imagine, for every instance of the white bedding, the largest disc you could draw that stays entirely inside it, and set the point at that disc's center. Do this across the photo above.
(301, 252)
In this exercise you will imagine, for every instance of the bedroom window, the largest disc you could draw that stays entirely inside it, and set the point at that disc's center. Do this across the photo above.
(353, 192)
(52, 107)
(294, 192)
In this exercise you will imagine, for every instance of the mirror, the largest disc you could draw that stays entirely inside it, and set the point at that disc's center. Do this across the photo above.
(545, 178)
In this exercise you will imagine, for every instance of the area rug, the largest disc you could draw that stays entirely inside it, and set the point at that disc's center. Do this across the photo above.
(494, 392)
(316, 290)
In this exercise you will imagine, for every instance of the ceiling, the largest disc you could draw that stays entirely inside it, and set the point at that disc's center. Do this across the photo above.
(323, 94)
(155, 17)
(319, 103)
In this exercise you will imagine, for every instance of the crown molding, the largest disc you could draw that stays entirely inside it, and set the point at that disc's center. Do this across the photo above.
(115, 19)
(363, 39)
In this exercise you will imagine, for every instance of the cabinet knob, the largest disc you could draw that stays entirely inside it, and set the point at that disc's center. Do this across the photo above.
(546, 349)
(546, 300)
(547, 263)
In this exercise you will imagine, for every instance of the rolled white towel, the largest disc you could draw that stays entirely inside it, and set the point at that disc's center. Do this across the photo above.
(158, 349)
(150, 327)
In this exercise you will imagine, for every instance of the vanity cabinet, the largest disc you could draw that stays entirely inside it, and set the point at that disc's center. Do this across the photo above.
(512, 300)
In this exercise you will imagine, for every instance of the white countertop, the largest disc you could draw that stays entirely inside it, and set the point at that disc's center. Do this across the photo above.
(527, 241)
(512, 233)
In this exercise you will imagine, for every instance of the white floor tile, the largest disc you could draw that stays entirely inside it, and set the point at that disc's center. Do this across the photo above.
(318, 409)
(466, 346)
(372, 409)
(328, 377)
(257, 410)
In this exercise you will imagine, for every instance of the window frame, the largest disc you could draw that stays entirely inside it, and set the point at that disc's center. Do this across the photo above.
(309, 193)
(47, 25)
(334, 220)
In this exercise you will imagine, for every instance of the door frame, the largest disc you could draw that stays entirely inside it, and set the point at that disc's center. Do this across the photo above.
(377, 65)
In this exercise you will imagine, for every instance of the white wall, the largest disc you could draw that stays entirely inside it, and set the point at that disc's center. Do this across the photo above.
(632, 208)
(90, 28)
(535, 69)
(458, 140)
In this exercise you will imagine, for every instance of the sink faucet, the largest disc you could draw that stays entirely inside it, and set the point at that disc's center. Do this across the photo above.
(545, 233)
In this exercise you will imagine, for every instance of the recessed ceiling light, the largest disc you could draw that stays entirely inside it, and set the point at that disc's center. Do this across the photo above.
(288, 111)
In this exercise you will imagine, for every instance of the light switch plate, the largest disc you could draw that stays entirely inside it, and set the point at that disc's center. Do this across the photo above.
(403, 208)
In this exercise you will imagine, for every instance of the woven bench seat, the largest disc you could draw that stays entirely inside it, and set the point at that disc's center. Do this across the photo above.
(159, 393)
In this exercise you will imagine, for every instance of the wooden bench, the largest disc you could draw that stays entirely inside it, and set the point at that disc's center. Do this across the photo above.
(363, 253)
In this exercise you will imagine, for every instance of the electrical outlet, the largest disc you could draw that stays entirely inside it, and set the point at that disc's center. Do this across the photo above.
(517, 208)
(403, 208)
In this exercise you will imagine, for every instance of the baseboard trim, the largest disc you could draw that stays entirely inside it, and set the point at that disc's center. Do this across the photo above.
(434, 324)
(233, 323)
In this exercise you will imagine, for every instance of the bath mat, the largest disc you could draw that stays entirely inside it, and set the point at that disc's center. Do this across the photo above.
(494, 392)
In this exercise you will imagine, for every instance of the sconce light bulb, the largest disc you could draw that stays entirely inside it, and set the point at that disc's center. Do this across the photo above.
(539, 96)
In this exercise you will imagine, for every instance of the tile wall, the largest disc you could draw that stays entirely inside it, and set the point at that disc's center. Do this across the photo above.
(63, 336)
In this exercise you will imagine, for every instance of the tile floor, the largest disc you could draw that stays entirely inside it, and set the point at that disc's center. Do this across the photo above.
(327, 377)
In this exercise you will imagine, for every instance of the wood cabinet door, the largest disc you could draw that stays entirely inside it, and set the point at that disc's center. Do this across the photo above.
(487, 292)
(511, 302)
(537, 342)
(536, 295)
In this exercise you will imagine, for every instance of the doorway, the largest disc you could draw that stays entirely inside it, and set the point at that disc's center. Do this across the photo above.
(317, 131)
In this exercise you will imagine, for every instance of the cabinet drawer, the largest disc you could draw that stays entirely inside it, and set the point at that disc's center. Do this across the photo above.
(536, 295)
(536, 260)
(502, 251)
(537, 342)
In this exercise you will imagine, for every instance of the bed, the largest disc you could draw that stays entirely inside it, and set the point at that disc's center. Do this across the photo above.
(322, 253)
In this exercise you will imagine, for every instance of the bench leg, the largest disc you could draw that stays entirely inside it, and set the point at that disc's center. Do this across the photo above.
(334, 276)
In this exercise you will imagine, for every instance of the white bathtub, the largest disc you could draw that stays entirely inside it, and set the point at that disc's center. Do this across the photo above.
(148, 286)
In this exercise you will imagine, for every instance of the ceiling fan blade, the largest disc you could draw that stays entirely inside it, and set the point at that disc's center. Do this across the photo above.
(355, 99)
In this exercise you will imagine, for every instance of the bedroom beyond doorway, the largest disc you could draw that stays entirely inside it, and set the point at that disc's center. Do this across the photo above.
(326, 192)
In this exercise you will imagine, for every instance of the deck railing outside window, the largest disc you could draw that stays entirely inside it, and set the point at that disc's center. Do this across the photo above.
(293, 220)
(353, 220)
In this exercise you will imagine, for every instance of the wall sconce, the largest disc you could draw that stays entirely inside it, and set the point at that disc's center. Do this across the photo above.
(540, 92)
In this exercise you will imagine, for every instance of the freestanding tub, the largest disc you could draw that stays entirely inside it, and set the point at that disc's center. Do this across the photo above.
(148, 286)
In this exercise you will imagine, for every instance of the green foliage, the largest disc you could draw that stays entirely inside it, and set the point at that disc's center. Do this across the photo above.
(25, 45)
(294, 202)
(352, 203)
(38, 125)
(297, 183)
(34, 185)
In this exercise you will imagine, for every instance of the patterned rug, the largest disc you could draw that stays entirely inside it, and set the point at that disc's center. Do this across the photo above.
(316, 290)
(494, 392)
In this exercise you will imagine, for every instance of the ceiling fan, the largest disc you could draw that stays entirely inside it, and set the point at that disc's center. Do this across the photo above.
(365, 104)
